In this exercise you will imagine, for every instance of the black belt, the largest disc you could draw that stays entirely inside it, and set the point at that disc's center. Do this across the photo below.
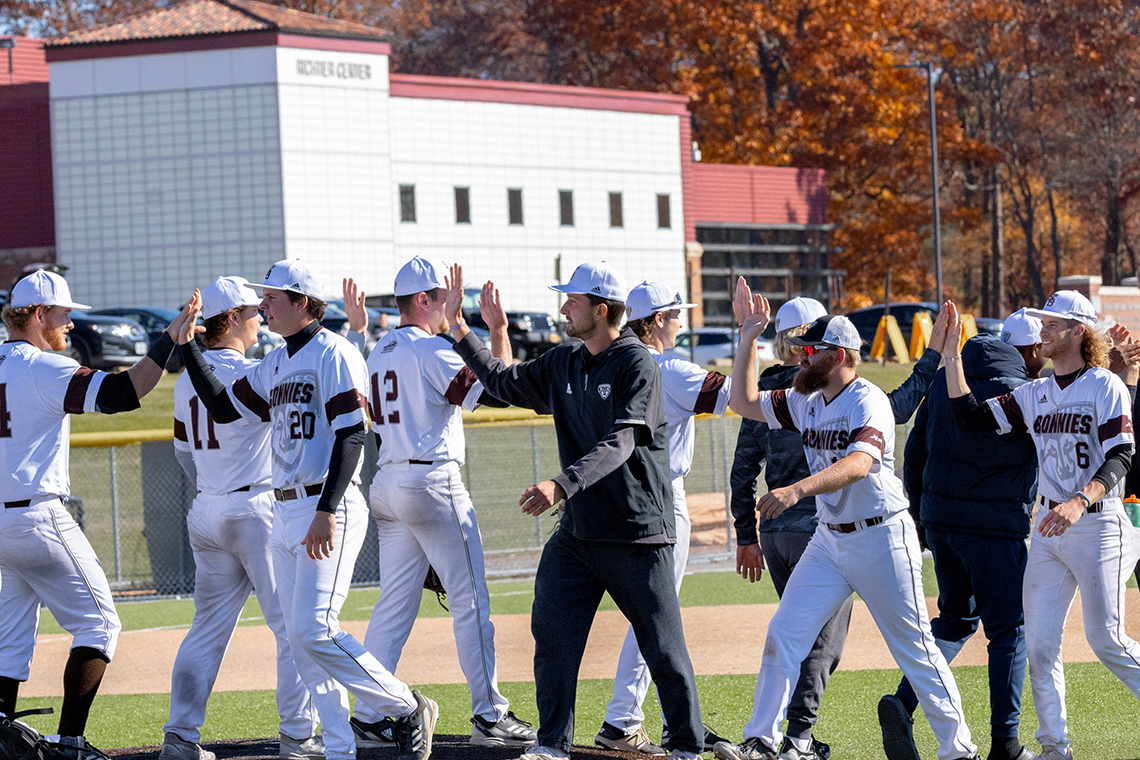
(1092, 509)
(243, 488)
(420, 461)
(18, 504)
(297, 492)
(851, 527)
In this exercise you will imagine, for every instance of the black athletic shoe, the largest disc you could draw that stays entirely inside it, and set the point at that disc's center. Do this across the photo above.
(818, 751)
(382, 733)
(414, 733)
(508, 732)
(711, 737)
(898, 729)
(749, 749)
(999, 752)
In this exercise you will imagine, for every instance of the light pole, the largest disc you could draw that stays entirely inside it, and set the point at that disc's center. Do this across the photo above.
(8, 43)
(929, 69)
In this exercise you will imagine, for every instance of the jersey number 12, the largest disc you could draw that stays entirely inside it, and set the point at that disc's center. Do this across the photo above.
(392, 392)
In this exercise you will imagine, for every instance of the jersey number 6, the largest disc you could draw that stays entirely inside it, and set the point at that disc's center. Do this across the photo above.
(392, 388)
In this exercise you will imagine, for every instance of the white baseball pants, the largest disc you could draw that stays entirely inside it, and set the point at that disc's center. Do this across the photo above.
(312, 593)
(631, 682)
(1097, 554)
(230, 535)
(46, 559)
(425, 516)
(882, 564)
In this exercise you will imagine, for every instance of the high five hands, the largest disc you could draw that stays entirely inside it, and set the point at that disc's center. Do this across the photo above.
(752, 312)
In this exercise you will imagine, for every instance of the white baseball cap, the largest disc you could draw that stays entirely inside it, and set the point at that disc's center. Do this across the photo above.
(1067, 304)
(227, 293)
(43, 288)
(291, 275)
(830, 330)
(595, 279)
(798, 312)
(1020, 329)
(419, 275)
(648, 298)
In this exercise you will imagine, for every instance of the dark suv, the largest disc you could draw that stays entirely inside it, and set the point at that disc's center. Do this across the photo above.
(105, 342)
(532, 333)
(866, 320)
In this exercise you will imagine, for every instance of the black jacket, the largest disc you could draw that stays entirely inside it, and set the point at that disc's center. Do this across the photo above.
(977, 483)
(613, 440)
(784, 453)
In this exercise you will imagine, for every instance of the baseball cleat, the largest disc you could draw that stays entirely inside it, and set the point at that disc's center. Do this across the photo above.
(818, 751)
(539, 752)
(174, 747)
(1052, 753)
(508, 732)
(711, 737)
(680, 754)
(898, 729)
(382, 733)
(312, 748)
(612, 737)
(72, 748)
(1002, 753)
(414, 733)
(749, 749)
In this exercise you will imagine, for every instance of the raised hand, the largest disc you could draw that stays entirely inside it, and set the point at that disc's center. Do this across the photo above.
(941, 325)
(491, 307)
(953, 342)
(354, 305)
(453, 303)
(752, 311)
(185, 325)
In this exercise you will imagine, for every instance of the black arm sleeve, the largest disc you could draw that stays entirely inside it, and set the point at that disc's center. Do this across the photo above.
(1115, 467)
(606, 456)
(972, 416)
(914, 461)
(747, 463)
(116, 394)
(346, 451)
(486, 399)
(209, 389)
(906, 398)
(518, 384)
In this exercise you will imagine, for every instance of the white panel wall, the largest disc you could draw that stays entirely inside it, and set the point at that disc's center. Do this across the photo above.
(336, 165)
(490, 147)
(167, 173)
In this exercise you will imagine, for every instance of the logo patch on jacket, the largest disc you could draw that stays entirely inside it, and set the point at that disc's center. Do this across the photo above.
(604, 391)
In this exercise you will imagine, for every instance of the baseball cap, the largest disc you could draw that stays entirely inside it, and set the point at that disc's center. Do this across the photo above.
(1067, 304)
(227, 293)
(419, 275)
(595, 279)
(1020, 329)
(43, 288)
(291, 275)
(830, 330)
(648, 298)
(797, 312)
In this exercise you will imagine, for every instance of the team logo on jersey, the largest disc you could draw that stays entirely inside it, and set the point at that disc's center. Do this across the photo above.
(295, 405)
(1044, 398)
(1066, 436)
(604, 391)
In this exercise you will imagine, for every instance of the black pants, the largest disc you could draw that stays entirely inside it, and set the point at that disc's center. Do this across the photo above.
(572, 577)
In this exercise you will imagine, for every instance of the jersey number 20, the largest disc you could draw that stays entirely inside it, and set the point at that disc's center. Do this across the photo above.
(392, 392)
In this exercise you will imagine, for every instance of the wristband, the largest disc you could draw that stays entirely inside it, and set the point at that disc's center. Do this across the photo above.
(161, 350)
(1088, 501)
(460, 323)
(957, 358)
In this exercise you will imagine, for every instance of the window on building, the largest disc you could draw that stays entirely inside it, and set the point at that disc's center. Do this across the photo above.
(407, 203)
(615, 210)
(664, 222)
(463, 205)
(514, 205)
(566, 207)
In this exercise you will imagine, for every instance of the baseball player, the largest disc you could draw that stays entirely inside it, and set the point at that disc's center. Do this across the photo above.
(617, 530)
(865, 543)
(654, 314)
(1023, 332)
(423, 514)
(311, 392)
(230, 523)
(44, 557)
(1080, 421)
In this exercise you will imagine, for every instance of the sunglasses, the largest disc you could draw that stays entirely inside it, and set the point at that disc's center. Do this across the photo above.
(813, 350)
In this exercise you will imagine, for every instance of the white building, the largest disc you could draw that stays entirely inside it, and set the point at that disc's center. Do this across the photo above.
(214, 138)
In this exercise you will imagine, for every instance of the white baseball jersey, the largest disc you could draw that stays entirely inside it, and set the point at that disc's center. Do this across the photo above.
(227, 457)
(1072, 428)
(418, 385)
(689, 390)
(858, 419)
(306, 398)
(38, 392)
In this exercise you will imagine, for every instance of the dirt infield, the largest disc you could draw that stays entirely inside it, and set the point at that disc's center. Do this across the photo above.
(716, 637)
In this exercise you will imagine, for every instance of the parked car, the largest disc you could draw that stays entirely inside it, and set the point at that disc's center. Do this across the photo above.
(532, 333)
(710, 344)
(866, 320)
(266, 342)
(990, 326)
(154, 319)
(105, 342)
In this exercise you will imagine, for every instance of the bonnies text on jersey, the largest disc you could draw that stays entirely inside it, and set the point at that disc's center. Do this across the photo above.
(1063, 422)
(291, 393)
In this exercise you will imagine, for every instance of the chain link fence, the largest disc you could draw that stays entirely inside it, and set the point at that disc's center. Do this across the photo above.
(131, 497)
